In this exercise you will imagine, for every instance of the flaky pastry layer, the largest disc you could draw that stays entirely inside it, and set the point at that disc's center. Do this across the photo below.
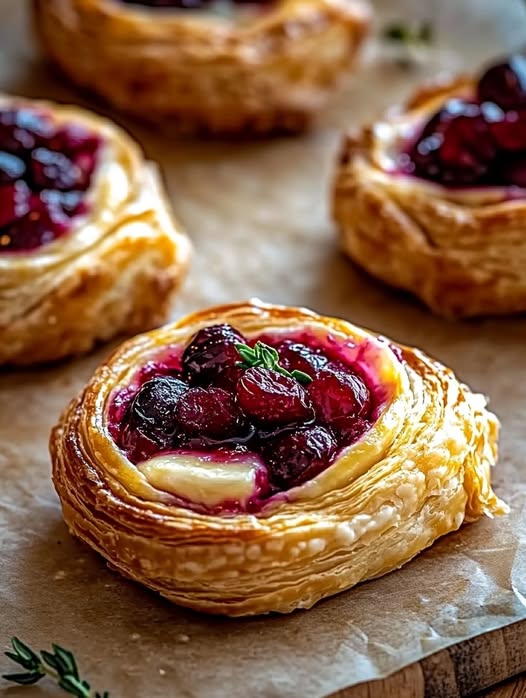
(419, 473)
(197, 71)
(461, 251)
(115, 272)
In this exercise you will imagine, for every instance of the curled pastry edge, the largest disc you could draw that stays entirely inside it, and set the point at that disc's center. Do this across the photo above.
(280, 69)
(300, 552)
(124, 282)
(456, 250)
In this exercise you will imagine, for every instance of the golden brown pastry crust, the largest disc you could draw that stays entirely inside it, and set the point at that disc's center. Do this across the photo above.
(462, 252)
(114, 273)
(206, 73)
(422, 470)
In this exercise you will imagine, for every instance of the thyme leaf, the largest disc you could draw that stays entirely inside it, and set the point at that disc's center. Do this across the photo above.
(60, 665)
(264, 356)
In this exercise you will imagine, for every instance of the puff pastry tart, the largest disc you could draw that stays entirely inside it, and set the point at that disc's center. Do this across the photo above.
(254, 458)
(88, 248)
(222, 66)
(433, 198)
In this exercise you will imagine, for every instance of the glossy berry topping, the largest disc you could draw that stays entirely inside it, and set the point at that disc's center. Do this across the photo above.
(15, 202)
(12, 168)
(456, 145)
(208, 412)
(504, 83)
(272, 399)
(349, 429)
(45, 170)
(22, 130)
(479, 141)
(335, 392)
(211, 351)
(151, 422)
(190, 4)
(181, 4)
(297, 456)
(291, 403)
(295, 356)
(509, 131)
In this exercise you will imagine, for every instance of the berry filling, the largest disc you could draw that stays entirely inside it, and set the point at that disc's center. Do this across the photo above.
(195, 4)
(286, 406)
(45, 171)
(480, 141)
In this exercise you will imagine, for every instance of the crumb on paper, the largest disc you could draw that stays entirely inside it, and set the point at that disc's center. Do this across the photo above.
(59, 575)
(135, 636)
(162, 672)
(183, 638)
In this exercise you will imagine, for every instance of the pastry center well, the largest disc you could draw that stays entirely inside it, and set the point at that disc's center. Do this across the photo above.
(227, 422)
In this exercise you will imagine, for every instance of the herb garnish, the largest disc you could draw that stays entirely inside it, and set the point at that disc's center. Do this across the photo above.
(59, 665)
(262, 355)
(414, 33)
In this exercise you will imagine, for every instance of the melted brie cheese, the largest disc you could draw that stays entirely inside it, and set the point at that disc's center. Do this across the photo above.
(200, 479)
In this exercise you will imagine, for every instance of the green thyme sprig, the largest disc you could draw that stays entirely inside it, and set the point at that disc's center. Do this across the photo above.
(59, 665)
(409, 33)
(261, 355)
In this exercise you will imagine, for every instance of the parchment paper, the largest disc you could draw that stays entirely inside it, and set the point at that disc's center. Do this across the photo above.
(258, 215)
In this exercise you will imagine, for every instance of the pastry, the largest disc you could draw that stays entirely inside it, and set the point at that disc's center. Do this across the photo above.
(222, 66)
(88, 246)
(433, 198)
(254, 458)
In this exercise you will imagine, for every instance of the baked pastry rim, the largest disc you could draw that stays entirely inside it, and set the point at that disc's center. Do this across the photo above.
(246, 564)
(52, 279)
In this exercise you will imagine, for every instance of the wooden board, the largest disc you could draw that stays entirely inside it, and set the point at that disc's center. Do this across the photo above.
(464, 669)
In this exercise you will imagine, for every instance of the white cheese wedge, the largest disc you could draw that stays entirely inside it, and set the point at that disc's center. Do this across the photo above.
(200, 479)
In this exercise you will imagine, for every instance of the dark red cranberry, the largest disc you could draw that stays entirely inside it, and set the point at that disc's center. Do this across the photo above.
(74, 139)
(456, 146)
(43, 223)
(23, 129)
(210, 351)
(228, 377)
(139, 447)
(208, 412)
(299, 357)
(297, 456)
(505, 83)
(273, 399)
(52, 170)
(511, 170)
(43, 173)
(335, 393)
(14, 202)
(152, 411)
(11, 168)
(349, 429)
(181, 4)
(62, 204)
(85, 163)
(510, 131)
